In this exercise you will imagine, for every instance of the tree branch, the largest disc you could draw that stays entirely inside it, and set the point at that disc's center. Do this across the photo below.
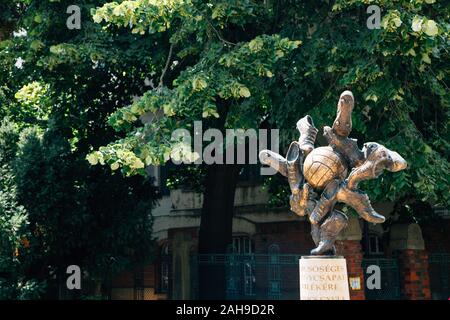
(219, 35)
(166, 67)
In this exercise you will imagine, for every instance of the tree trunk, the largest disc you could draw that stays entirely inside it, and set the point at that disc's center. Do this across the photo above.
(6, 31)
(216, 226)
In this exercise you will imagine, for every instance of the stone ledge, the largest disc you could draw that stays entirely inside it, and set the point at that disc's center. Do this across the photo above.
(406, 236)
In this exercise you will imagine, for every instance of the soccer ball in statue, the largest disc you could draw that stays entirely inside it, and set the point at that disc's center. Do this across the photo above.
(322, 165)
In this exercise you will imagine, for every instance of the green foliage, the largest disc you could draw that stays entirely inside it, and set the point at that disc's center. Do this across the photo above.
(79, 208)
(224, 80)
(15, 236)
(9, 137)
(33, 101)
(190, 177)
(399, 75)
(70, 80)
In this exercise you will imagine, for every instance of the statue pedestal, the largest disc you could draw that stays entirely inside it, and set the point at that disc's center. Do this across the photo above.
(323, 278)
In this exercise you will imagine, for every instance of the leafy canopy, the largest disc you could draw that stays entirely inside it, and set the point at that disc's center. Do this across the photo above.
(398, 73)
(221, 79)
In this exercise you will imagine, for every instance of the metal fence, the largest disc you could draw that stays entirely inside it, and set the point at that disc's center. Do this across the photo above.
(255, 276)
(275, 276)
(439, 271)
(390, 279)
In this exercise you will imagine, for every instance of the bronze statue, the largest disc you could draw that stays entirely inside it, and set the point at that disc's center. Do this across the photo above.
(326, 170)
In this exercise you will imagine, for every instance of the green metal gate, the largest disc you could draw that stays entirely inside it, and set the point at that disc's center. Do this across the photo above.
(390, 279)
(270, 276)
(439, 272)
(274, 273)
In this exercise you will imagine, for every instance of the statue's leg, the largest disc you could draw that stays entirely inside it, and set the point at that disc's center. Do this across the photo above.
(359, 201)
(300, 202)
(377, 159)
(294, 159)
(315, 233)
(365, 171)
(326, 202)
(308, 134)
(328, 231)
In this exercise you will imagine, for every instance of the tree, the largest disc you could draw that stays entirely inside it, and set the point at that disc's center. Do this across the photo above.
(59, 97)
(15, 237)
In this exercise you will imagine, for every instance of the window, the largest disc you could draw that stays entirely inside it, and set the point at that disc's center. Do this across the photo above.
(375, 244)
(243, 245)
(163, 274)
(159, 175)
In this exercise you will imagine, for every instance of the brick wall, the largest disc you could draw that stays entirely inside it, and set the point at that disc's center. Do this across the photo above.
(352, 252)
(413, 265)
(123, 279)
